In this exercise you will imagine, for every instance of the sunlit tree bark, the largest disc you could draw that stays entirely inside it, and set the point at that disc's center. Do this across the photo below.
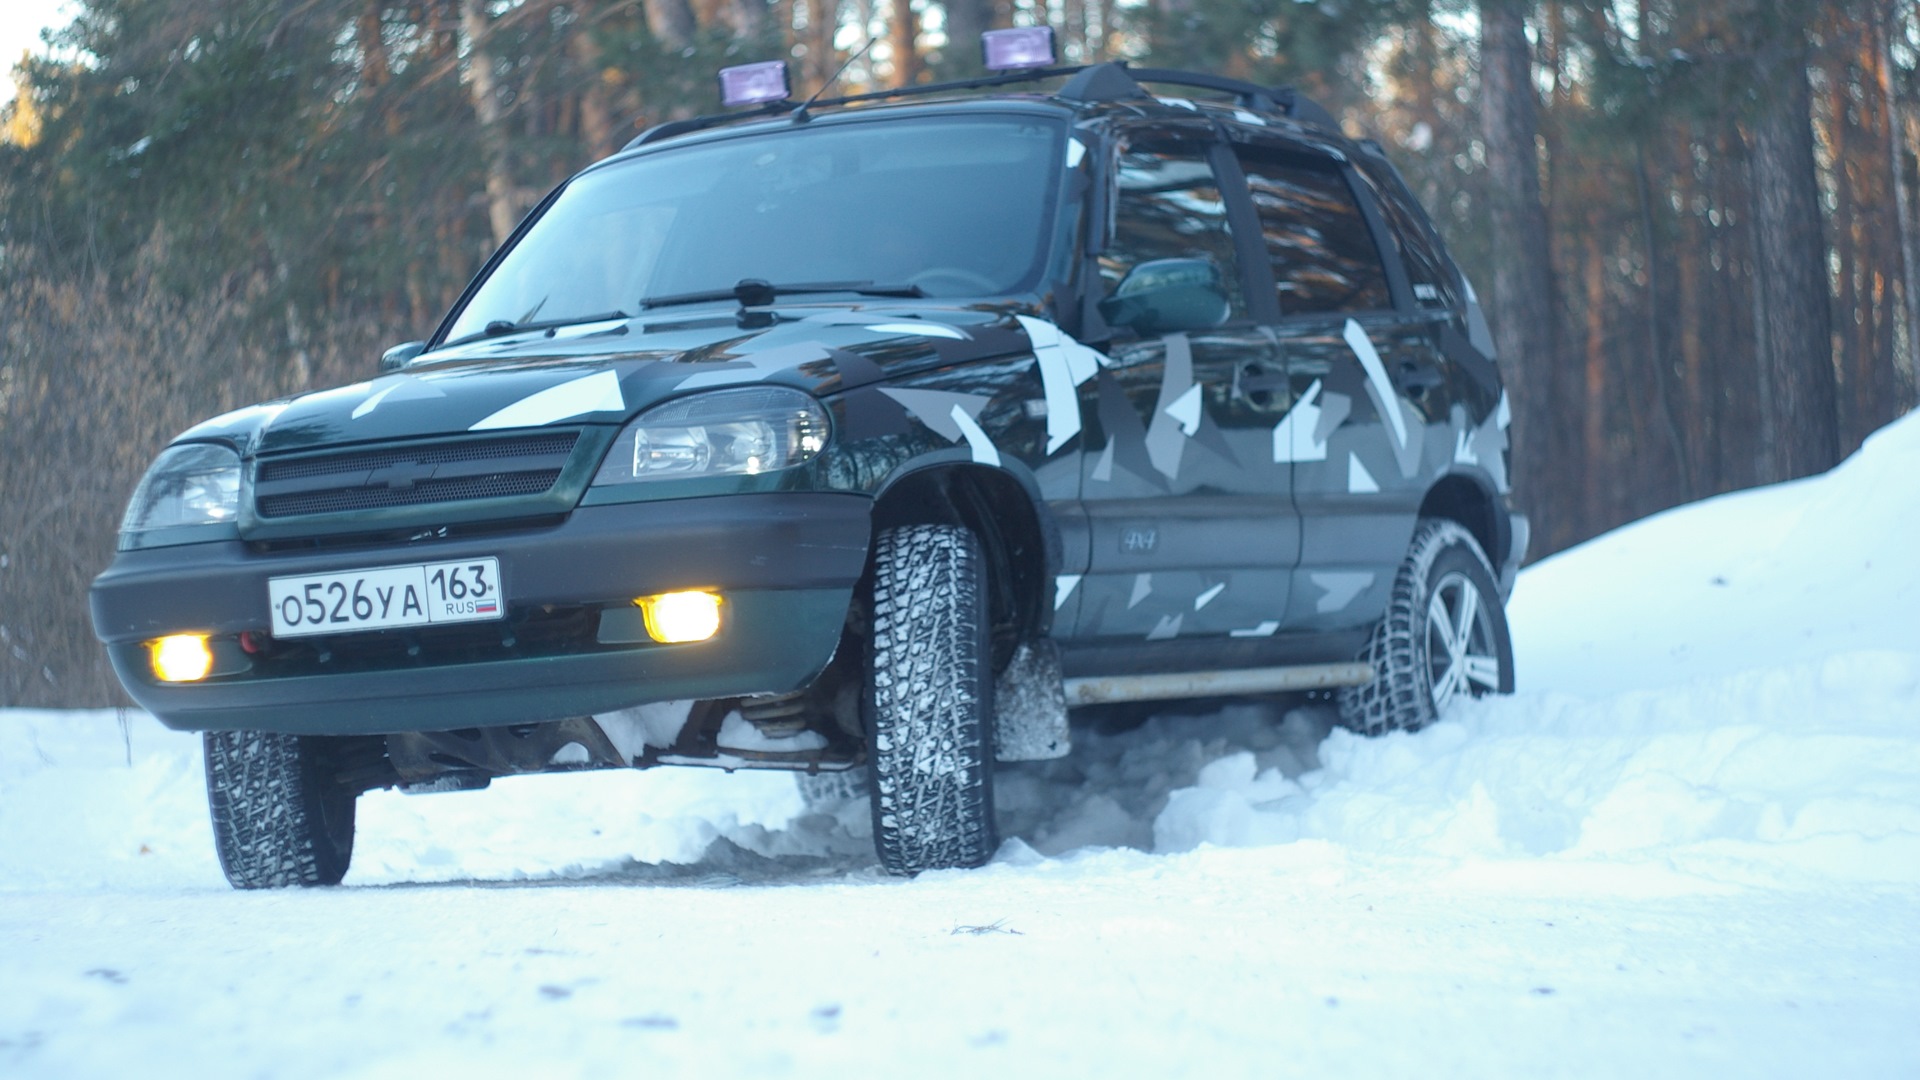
(483, 86)
(1522, 308)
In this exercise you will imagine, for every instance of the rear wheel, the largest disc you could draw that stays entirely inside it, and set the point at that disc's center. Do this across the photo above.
(1444, 636)
(929, 703)
(281, 814)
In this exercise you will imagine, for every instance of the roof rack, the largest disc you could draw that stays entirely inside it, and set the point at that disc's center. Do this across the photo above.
(1250, 96)
(1109, 81)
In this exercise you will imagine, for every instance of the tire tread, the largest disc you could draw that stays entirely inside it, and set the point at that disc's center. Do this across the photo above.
(1400, 697)
(269, 795)
(930, 701)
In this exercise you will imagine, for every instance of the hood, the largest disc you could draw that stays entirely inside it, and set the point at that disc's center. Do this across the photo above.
(607, 372)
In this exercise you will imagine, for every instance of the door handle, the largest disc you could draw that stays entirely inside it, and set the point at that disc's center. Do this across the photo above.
(1257, 382)
(1255, 377)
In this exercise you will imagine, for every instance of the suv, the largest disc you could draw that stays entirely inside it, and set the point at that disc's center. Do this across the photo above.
(866, 434)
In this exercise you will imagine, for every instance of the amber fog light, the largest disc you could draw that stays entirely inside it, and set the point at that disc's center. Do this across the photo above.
(180, 657)
(678, 617)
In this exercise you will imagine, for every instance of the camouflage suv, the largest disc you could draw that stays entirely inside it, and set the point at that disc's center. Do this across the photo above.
(873, 434)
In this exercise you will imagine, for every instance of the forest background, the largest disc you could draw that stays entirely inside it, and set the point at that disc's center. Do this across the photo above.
(1691, 219)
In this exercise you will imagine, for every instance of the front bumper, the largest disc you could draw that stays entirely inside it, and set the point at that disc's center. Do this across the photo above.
(786, 564)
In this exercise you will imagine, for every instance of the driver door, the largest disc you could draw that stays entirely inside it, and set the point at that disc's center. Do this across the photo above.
(1193, 530)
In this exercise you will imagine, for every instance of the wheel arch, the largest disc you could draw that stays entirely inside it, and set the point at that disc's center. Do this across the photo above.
(1003, 507)
(1470, 501)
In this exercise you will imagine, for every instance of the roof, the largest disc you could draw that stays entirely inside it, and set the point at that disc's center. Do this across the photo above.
(1090, 85)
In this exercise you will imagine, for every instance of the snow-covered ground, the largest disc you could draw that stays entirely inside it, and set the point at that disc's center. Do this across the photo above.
(1689, 846)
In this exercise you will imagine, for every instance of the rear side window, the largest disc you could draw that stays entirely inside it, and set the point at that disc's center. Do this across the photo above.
(1426, 270)
(1324, 257)
(1169, 207)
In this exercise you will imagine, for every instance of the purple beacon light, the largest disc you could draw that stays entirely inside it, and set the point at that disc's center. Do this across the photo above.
(754, 84)
(1021, 47)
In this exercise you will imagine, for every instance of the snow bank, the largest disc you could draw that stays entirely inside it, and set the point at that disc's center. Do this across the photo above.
(1767, 578)
(100, 800)
(1809, 770)
(114, 801)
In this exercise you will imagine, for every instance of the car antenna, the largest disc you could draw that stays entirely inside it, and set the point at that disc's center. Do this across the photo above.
(800, 115)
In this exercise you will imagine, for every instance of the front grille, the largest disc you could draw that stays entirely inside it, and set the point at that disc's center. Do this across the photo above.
(412, 475)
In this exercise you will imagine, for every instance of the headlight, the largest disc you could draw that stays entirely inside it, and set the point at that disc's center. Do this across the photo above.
(196, 484)
(726, 432)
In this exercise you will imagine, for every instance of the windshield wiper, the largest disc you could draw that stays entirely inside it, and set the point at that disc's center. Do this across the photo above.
(752, 292)
(503, 327)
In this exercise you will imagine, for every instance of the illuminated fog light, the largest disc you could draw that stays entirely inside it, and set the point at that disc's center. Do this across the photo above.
(677, 617)
(181, 657)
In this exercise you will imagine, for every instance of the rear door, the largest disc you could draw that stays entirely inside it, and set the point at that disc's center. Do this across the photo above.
(1193, 532)
(1365, 388)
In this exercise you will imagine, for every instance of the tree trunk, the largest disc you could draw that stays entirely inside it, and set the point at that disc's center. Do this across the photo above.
(1595, 413)
(1801, 428)
(1852, 253)
(485, 91)
(966, 21)
(1522, 313)
(1699, 417)
(671, 22)
(596, 113)
(373, 47)
(823, 18)
(1897, 156)
(904, 31)
(747, 18)
(1679, 488)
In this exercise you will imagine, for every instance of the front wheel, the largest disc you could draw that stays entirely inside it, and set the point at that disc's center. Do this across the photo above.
(281, 814)
(1444, 636)
(929, 702)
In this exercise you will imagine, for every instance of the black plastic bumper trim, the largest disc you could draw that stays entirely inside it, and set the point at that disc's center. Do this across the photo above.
(597, 554)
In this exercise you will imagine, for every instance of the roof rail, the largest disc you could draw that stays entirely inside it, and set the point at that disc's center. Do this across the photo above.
(1250, 96)
(1109, 81)
(681, 127)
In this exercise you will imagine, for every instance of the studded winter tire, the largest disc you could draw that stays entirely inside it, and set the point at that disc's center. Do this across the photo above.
(280, 815)
(1444, 636)
(929, 703)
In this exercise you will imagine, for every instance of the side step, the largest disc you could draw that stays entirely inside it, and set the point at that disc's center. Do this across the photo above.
(1101, 689)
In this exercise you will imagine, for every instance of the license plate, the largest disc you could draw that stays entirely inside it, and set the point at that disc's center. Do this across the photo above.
(443, 592)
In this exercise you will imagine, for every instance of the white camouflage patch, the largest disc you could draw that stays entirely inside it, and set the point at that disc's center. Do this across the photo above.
(599, 392)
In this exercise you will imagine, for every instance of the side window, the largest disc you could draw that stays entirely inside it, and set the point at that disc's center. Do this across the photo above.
(1324, 258)
(1169, 207)
(1426, 271)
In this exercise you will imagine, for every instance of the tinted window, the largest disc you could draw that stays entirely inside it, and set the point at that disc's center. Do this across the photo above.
(958, 207)
(1169, 207)
(1432, 285)
(1324, 258)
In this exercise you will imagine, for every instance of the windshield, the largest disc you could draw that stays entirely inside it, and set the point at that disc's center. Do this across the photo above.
(954, 206)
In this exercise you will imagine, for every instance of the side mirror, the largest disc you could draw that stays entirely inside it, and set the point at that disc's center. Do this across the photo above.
(1166, 295)
(400, 356)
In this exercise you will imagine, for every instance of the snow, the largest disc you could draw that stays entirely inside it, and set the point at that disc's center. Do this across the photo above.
(1689, 845)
